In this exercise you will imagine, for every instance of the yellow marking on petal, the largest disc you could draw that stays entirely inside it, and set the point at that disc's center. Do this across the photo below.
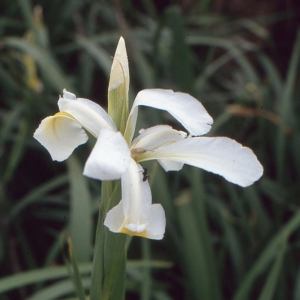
(66, 115)
(132, 233)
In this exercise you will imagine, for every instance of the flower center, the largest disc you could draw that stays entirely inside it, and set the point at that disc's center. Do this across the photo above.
(136, 152)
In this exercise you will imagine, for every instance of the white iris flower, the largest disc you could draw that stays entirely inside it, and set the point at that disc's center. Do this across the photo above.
(117, 156)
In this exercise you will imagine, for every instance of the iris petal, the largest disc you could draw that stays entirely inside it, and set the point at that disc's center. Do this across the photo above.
(183, 107)
(88, 113)
(60, 135)
(219, 155)
(109, 158)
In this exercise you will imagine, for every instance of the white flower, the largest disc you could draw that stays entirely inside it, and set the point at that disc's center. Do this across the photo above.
(115, 156)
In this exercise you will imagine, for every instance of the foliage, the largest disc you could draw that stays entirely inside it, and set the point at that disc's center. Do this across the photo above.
(222, 241)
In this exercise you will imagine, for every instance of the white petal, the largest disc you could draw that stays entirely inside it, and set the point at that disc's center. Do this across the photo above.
(183, 107)
(156, 223)
(219, 155)
(60, 135)
(88, 113)
(170, 165)
(68, 95)
(136, 197)
(156, 136)
(119, 70)
(109, 158)
(115, 218)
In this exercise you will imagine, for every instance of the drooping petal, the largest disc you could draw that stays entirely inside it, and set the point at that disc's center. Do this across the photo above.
(115, 218)
(219, 155)
(135, 215)
(60, 135)
(141, 218)
(136, 197)
(183, 107)
(109, 158)
(156, 222)
(88, 113)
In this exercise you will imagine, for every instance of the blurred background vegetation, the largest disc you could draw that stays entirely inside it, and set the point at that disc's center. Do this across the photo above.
(240, 59)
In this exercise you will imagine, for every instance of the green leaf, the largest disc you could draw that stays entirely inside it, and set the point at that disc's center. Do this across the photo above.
(264, 260)
(80, 224)
(274, 274)
(49, 67)
(196, 250)
(101, 57)
(181, 55)
(287, 110)
(31, 277)
(98, 263)
(37, 194)
(17, 150)
(59, 272)
(237, 54)
(58, 290)
(74, 271)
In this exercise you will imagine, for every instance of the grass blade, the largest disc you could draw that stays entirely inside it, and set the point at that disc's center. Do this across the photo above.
(80, 224)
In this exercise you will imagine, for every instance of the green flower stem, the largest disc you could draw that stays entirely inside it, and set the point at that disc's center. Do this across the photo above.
(109, 265)
(114, 265)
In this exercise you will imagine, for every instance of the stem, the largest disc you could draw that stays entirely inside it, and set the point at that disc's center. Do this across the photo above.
(109, 264)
